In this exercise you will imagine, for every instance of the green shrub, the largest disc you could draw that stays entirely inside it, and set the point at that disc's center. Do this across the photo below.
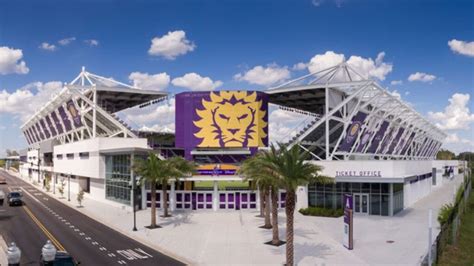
(445, 213)
(324, 212)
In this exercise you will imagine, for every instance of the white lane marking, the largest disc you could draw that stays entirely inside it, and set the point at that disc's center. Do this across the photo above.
(68, 223)
(29, 194)
(102, 249)
(37, 194)
(45, 198)
(121, 262)
(71, 226)
(111, 255)
(95, 243)
(81, 233)
(76, 230)
(88, 238)
(134, 254)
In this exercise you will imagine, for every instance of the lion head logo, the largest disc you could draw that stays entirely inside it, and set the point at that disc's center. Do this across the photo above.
(231, 119)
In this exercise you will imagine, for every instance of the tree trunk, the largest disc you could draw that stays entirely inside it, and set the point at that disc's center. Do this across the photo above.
(290, 211)
(164, 199)
(268, 223)
(262, 201)
(153, 204)
(275, 238)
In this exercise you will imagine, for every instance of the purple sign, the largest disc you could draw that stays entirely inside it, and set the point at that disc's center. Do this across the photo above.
(348, 222)
(221, 119)
(76, 117)
(50, 126)
(364, 140)
(386, 141)
(395, 140)
(352, 132)
(45, 130)
(57, 123)
(63, 115)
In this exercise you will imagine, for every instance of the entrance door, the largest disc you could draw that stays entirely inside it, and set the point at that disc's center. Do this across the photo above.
(361, 203)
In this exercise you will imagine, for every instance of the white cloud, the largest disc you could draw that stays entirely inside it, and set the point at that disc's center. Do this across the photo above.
(169, 128)
(300, 66)
(462, 47)
(92, 42)
(36, 94)
(396, 82)
(284, 124)
(66, 41)
(367, 67)
(171, 45)
(456, 115)
(407, 93)
(317, 3)
(396, 94)
(458, 144)
(264, 76)
(420, 76)
(47, 47)
(153, 116)
(10, 61)
(150, 82)
(195, 82)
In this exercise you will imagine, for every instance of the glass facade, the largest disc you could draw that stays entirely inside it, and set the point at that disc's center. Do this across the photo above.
(117, 178)
(331, 196)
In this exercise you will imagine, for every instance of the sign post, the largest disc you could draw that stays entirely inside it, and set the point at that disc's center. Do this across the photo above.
(348, 240)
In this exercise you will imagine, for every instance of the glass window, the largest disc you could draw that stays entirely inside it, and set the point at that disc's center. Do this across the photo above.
(329, 200)
(339, 199)
(375, 188)
(365, 187)
(385, 199)
(385, 188)
(375, 204)
(346, 187)
(355, 187)
(397, 187)
(117, 178)
(320, 199)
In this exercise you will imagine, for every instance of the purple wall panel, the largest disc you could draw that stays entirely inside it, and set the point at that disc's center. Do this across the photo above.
(407, 144)
(395, 140)
(50, 126)
(57, 123)
(352, 132)
(40, 133)
(65, 118)
(378, 137)
(76, 117)
(45, 129)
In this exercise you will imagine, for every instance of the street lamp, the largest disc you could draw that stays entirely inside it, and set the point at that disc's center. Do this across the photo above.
(69, 187)
(13, 255)
(133, 184)
(48, 253)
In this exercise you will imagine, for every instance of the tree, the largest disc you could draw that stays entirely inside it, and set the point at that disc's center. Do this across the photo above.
(61, 187)
(290, 168)
(251, 169)
(80, 197)
(156, 171)
(445, 155)
(11, 152)
(47, 184)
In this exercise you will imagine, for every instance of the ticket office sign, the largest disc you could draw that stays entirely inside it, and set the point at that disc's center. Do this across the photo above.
(348, 239)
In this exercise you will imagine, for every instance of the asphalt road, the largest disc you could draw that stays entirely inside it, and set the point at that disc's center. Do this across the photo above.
(88, 241)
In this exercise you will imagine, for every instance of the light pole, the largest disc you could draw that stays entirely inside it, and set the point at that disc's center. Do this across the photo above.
(69, 187)
(133, 186)
(13, 255)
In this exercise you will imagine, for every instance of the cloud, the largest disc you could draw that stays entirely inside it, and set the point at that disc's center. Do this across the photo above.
(171, 45)
(92, 42)
(264, 76)
(396, 94)
(150, 82)
(300, 66)
(36, 94)
(169, 128)
(317, 3)
(153, 116)
(66, 41)
(458, 144)
(284, 124)
(10, 61)
(462, 47)
(396, 82)
(420, 76)
(456, 115)
(195, 82)
(367, 67)
(47, 47)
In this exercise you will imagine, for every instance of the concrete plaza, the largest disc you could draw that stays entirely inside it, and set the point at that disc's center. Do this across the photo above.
(234, 237)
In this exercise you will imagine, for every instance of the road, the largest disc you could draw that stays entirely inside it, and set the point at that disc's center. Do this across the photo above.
(88, 241)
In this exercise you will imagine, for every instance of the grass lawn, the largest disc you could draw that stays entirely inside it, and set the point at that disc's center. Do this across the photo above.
(463, 253)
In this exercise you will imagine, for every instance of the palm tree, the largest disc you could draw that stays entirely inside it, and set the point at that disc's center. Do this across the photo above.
(290, 168)
(156, 171)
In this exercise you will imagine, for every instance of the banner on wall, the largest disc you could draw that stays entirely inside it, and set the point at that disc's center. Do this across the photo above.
(364, 140)
(39, 131)
(45, 130)
(50, 126)
(395, 140)
(57, 123)
(76, 117)
(217, 169)
(352, 132)
(378, 137)
(66, 121)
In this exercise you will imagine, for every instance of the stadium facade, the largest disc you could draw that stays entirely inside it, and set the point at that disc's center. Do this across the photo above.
(374, 145)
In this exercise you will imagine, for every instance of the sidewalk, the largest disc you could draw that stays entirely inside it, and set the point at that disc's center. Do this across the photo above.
(221, 238)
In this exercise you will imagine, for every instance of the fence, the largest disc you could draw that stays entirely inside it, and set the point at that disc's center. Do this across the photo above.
(450, 230)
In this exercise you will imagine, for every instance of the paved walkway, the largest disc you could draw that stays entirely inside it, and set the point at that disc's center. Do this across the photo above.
(233, 237)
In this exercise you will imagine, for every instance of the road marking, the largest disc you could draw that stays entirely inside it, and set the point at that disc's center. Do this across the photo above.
(77, 230)
(102, 249)
(134, 254)
(29, 194)
(81, 233)
(43, 228)
(88, 238)
(95, 243)
(121, 262)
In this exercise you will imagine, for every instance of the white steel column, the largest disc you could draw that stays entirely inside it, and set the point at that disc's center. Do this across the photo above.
(326, 112)
(94, 113)
(215, 197)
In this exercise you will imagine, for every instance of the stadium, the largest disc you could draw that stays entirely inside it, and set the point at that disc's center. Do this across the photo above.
(375, 146)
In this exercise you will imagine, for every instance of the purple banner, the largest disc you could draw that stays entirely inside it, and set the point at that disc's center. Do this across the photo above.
(50, 126)
(352, 132)
(35, 133)
(230, 119)
(57, 123)
(76, 117)
(395, 140)
(45, 130)
(364, 140)
(38, 128)
(386, 141)
(27, 137)
(31, 134)
(407, 144)
(378, 137)
(66, 121)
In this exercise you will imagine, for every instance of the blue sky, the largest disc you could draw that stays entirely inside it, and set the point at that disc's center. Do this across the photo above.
(224, 38)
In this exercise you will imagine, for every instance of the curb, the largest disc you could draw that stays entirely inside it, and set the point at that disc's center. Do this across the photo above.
(128, 234)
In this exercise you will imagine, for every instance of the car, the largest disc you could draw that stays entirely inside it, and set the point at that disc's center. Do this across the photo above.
(14, 198)
(2, 197)
(3, 180)
(62, 258)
